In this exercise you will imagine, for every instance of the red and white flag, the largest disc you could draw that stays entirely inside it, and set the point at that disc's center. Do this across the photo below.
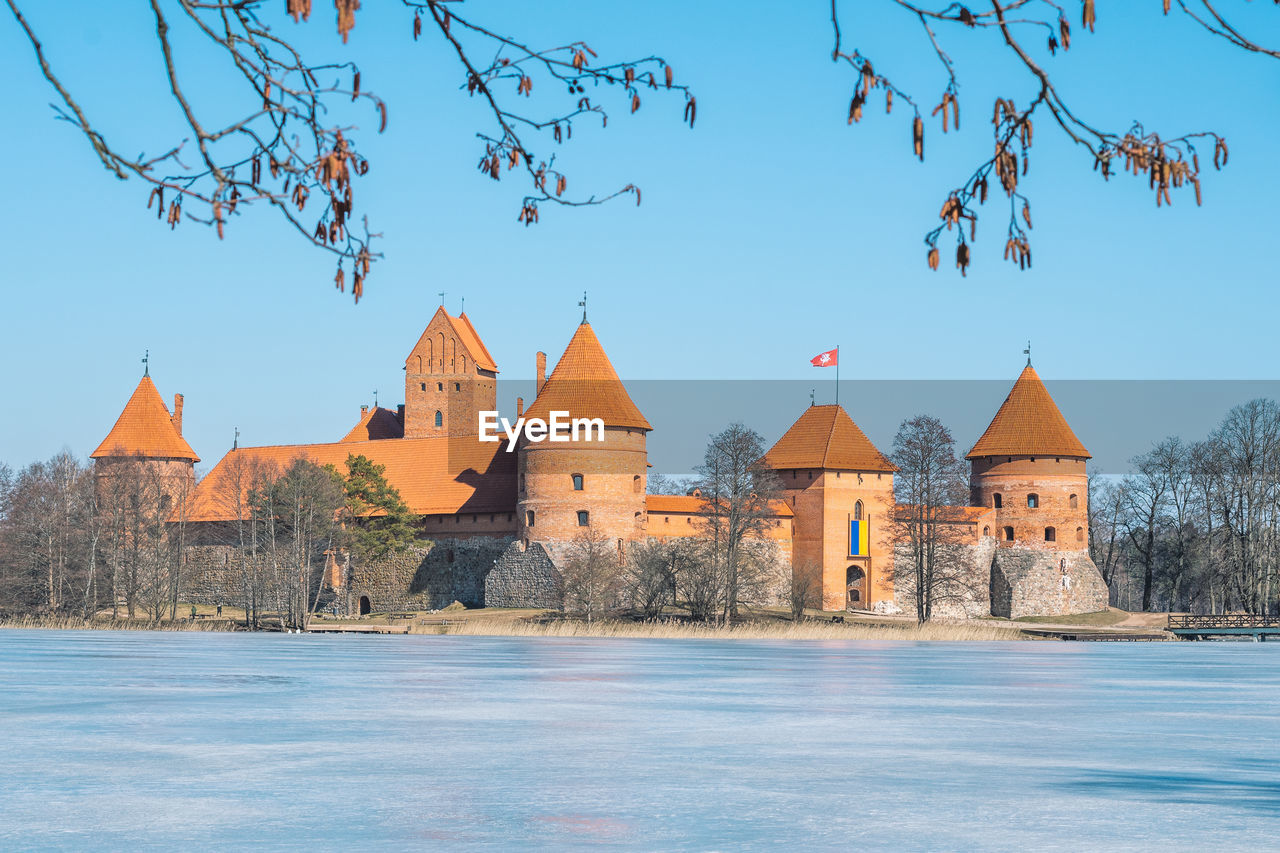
(825, 359)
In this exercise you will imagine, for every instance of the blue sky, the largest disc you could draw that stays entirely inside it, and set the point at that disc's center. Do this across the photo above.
(769, 233)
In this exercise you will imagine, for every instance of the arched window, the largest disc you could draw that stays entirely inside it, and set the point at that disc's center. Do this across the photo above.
(439, 386)
(577, 482)
(986, 531)
(636, 485)
(1008, 534)
(529, 518)
(439, 418)
(584, 518)
(1074, 502)
(1050, 534)
(857, 511)
(1033, 501)
(457, 386)
(1079, 534)
(997, 500)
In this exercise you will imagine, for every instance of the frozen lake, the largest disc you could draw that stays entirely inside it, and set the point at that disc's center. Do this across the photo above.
(159, 740)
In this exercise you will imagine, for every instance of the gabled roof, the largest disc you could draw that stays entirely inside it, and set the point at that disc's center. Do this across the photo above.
(467, 336)
(826, 437)
(376, 424)
(585, 385)
(440, 475)
(145, 428)
(1028, 424)
(693, 504)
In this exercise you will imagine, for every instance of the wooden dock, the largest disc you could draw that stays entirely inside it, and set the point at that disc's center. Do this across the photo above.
(355, 628)
(1226, 626)
(1077, 635)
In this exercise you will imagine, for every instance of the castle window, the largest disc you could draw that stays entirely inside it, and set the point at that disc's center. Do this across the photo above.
(636, 485)
(529, 518)
(1050, 534)
(810, 475)
(1079, 534)
(457, 386)
(666, 519)
(997, 500)
(439, 418)
(794, 473)
(1008, 534)
(1033, 501)
(857, 511)
(986, 531)
(577, 482)
(439, 386)
(424, 386)
(584, 518)
(1074, 501)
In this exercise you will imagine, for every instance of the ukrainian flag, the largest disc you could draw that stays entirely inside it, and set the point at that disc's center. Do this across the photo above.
(859, 537)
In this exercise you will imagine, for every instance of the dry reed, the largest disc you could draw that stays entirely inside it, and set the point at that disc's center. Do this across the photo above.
(72, 623)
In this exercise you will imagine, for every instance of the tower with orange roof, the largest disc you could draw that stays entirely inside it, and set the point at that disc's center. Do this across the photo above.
(568, 488)
(1028, 467)
(449, 378)
(840, 487)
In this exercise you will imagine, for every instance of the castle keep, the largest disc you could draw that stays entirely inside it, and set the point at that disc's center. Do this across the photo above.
(496, 525)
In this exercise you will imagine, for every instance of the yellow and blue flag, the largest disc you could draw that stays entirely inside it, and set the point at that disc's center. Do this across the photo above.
(860, 537)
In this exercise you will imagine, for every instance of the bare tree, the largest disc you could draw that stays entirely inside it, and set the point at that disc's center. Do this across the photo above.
(592, 577)
(652, 572)
(291, 137)
(1167, 161)
(737, 489)
(805, 591)
(929, 484)
(1146, 492)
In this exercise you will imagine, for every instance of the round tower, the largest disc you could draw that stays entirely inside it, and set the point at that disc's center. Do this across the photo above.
(593, 483)
(1030, 468)
(145, 455)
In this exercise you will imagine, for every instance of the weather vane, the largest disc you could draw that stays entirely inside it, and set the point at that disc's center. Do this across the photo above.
(235, 445)
(375, 398)
(442, 299)
(146, 362)
(464, 305)
(811, 392)
(1027, 353)
(583, 305)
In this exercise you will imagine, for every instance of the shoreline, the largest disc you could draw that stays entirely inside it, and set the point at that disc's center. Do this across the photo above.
(517, 623)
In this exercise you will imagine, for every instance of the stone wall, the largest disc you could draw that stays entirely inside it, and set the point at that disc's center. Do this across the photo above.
(962, 581)
(524, 577)
(427, 577)
(1032, 582)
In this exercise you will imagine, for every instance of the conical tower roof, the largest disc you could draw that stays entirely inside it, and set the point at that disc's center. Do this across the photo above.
(826, 437)
(585, 385)
(1028, 424)
(145, 428)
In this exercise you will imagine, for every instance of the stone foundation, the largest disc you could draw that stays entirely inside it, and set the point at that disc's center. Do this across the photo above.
(962, 588)
(1030, 582)
(524, 577)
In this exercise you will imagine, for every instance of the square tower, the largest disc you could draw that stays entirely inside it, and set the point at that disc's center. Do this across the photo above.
(449, 378)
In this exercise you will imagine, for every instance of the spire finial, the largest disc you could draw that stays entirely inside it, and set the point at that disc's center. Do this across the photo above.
(1027, 353)
(811, 392)
(375, 398)
(235, 445)
(583, 305)
(464, 306)
(146, 362)
(442, 299)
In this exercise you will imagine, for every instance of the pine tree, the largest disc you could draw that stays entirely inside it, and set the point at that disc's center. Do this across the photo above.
(379, 520)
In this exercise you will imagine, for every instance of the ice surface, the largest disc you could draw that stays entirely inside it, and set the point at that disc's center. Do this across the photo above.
(160, 740)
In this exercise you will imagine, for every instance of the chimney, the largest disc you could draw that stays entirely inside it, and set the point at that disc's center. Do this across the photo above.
(400, 412)
(542, 371)
(364, 410)
(519, 406)
(177, 413)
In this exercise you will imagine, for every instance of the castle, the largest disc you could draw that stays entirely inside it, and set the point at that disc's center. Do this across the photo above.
(496, 524)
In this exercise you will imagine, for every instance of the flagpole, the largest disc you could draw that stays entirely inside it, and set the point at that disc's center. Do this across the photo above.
(837, 374)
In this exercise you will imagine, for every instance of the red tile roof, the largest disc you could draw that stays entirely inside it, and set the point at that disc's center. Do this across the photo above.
(376, 424)
(585, 385)
(145, 428)
(1028, 424)
(467, 336)
(692, 505)
(439, 475)
(826, 437)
